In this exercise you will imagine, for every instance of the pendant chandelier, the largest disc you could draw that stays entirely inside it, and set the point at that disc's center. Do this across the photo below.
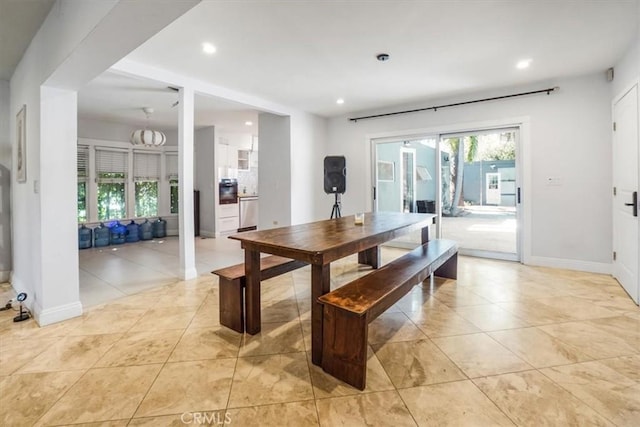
(152, 138)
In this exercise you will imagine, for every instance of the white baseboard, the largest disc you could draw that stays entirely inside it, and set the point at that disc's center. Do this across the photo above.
(207, 233)
(188, 274)
(57, 314)
(571, 264)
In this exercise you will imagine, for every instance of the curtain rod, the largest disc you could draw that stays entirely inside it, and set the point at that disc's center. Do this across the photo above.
(435, 108)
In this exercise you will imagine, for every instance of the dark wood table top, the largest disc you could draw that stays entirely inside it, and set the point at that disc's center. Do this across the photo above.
(325, 241)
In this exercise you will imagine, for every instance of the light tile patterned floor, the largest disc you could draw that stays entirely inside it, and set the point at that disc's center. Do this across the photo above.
(505, 344)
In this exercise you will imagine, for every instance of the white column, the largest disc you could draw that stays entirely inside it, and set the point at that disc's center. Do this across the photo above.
(57, 295)
(185, 185)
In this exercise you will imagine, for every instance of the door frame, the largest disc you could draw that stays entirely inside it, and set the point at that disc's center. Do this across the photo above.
(412, 152)
(524, 179)
(614, 101)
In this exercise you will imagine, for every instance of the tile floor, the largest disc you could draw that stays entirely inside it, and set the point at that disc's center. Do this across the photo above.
(505, 344)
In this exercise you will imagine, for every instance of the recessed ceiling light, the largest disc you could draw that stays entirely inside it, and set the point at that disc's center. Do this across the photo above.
(248, 123)
(208, 48)
(521, 65)
(340, 101)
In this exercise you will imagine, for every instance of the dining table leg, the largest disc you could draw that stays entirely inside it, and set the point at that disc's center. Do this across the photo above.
(425, 234)
(370, 257)
(320, 285)
(252, 291)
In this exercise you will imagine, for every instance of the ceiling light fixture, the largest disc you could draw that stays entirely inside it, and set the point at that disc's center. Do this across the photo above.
(208, 48)
(521, 65)
(248, 123)
(340, 101)
(152, 138)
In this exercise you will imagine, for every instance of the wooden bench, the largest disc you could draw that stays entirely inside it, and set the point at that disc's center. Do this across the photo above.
(349, 310)
(233, 282)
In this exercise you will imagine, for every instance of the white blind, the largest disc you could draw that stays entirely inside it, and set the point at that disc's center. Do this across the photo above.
(111, 161)
(172, 165)
(83, 163)
(146, 166)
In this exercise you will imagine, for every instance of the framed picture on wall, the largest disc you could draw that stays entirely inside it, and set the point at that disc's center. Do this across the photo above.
(386, 171)
(21, 144)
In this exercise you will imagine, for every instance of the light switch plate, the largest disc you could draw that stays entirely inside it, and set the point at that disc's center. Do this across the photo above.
(554, 181)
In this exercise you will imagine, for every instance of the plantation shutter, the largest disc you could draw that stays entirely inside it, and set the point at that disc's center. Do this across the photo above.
(82, 162)
(111, 162)
(146, 166)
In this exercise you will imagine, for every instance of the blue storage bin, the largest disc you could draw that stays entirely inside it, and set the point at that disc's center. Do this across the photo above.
(85, 237)
(133, 232)
(160, 228)
(146, 232)
(101, 236)
(117, 233)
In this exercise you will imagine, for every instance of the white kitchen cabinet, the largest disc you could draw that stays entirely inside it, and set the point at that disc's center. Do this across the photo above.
(253, 159)
(227, 156)
(243, 160)
(230, 224)
(229, 218)
(232, 157)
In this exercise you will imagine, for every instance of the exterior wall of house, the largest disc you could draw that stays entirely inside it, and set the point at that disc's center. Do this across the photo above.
(475, 181)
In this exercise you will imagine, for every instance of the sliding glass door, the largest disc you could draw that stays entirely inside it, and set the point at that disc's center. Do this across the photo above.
(470, 180)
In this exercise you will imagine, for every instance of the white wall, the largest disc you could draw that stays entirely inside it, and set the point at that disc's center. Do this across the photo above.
(5, 184)
(205, 179)
(308, 139)
(108, 131)
(58, 290)
(569, 137)
(76, 42)
(274, 173)
(627, 70)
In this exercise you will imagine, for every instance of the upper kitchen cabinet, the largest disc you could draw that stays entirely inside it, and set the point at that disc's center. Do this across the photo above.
(227, 155)
(227, 160)
(243, 160)
(253, 156)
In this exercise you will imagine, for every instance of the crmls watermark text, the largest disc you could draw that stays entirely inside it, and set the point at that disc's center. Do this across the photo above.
(208, 418)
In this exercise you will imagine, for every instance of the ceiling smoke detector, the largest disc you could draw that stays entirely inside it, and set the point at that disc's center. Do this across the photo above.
(382, 57)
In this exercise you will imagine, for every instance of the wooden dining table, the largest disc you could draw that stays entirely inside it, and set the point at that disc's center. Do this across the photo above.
(318, 244)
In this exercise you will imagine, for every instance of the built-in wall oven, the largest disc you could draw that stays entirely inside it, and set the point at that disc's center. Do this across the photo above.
(228, 191)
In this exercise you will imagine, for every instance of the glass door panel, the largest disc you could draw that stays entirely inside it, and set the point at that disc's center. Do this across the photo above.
(405, 179)
(479, 189)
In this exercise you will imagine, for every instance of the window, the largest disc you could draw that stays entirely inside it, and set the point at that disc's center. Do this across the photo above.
(111, 176)
(82, 161)
(494, 181)
(146, 174)
(172, 176)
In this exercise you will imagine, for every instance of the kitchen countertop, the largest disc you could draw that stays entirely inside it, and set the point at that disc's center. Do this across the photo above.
(248, 196)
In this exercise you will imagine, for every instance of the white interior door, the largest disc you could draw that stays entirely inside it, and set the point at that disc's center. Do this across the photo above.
(625, 199)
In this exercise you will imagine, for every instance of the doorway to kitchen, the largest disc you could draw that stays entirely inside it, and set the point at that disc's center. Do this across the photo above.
(469, 180)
